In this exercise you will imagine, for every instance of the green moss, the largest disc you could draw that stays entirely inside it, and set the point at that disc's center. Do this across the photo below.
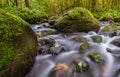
(110, 27)
(77, 19)
(83, 42)
(10, 26)
(17, 45)
(29, 15)
(111, 14)
(6, 55)
(96, 57)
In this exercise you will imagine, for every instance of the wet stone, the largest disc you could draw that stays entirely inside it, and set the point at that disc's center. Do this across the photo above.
(47, 41)
(114, 52)
(79, 39)
(82, 41)
(56, 49)
(111, 30)
(117, 74)
(97, 38)
(109, 50)
(83, 46)
(81, 65)
(42, 50)
(116, 42)
(49, 32)
(96, 57)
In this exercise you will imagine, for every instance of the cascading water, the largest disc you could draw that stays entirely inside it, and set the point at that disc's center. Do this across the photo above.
(76, 55)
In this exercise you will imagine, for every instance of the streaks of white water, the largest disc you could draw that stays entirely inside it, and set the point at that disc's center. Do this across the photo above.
(109, 61)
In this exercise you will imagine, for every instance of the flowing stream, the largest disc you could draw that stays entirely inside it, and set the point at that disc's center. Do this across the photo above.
(75, 54)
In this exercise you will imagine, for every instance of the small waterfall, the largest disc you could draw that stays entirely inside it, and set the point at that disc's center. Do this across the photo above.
(42, 67)
(103, 25)
(108, 71)
(65, 64)
(66, 57)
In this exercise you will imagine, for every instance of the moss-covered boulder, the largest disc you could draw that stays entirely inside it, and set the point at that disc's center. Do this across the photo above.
(76, 20)
(17, 46)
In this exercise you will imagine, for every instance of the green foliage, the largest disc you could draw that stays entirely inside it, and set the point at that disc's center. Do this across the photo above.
(115, 14)
(30, 15)
(99, 12)
(106, 13)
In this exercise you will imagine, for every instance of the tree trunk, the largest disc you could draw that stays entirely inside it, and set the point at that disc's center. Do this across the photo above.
(103, 3)
(18, 3)
(27, 3)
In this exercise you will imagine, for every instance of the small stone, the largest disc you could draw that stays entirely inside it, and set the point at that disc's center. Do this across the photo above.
(97, 38)
(57, 49)
(81, 65)
(47, 41)
(83, 42)
(116, 42)
(96, 57)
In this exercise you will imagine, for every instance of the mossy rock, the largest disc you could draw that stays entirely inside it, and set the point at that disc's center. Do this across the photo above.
(76, 20)
(17, 46)
(110, 30)
(81, 65)
(83, 42)
(116, 42)
(97, 38)
(96, 57)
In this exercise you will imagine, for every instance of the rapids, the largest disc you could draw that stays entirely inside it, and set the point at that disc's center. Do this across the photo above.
(65, 58)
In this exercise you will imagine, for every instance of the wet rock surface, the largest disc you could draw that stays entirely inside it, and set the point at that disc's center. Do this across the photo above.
(76, 55)
(111, 30)
(96, 57)
(116, 42)
(96, 38)
(83, 44)
(81, 65)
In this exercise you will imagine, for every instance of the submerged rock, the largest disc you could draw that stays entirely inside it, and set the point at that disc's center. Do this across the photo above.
(116, 42)
(17, 46)
(57, 49)
(114, 52)
(96, 57)
(42, 50)
(83, 42)
(111, 30)
(45, 33)
(76, 20)
(97, 38)
(117, 72)
(47, 41)
(81, 65)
